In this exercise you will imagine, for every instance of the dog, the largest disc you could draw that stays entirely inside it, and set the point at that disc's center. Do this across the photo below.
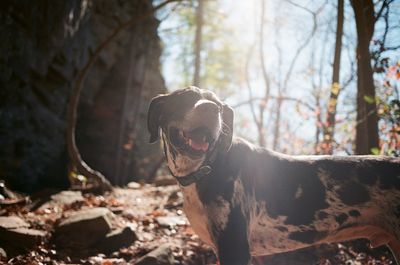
(246, 201)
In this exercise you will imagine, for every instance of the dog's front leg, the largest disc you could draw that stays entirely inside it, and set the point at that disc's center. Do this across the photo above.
(232, 241)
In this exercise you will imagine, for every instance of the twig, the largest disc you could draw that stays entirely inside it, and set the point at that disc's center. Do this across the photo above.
(282, 98)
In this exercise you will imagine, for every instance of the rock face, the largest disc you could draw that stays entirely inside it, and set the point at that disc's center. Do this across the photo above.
(43, 47)
(112, 129)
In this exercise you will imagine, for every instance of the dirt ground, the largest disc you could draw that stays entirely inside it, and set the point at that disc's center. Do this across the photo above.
(155, 215)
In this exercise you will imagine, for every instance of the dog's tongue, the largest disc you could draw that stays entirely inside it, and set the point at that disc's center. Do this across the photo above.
(198, 145)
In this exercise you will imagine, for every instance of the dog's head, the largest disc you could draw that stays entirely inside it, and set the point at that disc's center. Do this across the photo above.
(193, 123)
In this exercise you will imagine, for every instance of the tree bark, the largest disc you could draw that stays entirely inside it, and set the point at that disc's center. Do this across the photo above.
(367, 136)
(198, 42)
(329, 127)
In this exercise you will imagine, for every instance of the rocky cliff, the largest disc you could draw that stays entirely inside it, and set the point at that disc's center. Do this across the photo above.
(43, 47)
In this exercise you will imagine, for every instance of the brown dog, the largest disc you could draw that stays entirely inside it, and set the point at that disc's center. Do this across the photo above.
(247, 201)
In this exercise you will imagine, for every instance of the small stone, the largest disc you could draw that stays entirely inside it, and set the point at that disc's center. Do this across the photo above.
(134, 185)
(67, 197)
(160, 256)
(10, 222)
(117, 239)
(170, 221)
(117, 210)
(60, 199)
(3, 255)
(361, 256)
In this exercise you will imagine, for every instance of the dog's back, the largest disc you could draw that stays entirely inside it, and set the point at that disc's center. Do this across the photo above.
(296, 201)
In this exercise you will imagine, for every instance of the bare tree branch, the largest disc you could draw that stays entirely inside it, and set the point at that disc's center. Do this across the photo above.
(263, 67)
(305, 43)
(282, 98)
(393, 48)
(384, 6)
(198, 42)
(253, 112)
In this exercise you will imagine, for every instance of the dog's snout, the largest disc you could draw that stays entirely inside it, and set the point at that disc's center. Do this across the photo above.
(207, 106)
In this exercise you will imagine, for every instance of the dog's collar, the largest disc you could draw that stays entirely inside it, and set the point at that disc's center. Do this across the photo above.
(204, 170)
(193, 177)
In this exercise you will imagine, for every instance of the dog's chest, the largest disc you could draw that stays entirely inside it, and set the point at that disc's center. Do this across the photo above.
(196, 213)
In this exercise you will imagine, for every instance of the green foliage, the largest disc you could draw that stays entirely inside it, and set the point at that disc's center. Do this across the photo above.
(389, 109)
(220, 55)
(375, 151)
(369, 100)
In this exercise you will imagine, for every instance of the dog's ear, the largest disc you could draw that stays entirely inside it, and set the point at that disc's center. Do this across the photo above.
(227, 118)
(154, 116)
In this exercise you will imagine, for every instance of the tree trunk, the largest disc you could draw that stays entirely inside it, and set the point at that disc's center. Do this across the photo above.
(77, 163)
(367, 136)
(264, 103)
(198, 42)
(329, 127)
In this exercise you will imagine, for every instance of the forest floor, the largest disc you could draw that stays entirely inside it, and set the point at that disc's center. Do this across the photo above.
(144, 224)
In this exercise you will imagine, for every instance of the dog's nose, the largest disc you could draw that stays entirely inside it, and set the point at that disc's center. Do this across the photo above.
(207, 107)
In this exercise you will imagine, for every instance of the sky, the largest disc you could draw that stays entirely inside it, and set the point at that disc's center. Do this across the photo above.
(287, 28)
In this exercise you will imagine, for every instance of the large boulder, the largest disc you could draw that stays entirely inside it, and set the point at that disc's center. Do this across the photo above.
(83, 228)
(89, 231)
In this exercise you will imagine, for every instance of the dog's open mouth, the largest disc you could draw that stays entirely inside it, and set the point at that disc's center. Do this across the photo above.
(195, 142)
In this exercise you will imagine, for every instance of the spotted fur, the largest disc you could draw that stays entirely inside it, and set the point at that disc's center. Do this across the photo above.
(259, 202)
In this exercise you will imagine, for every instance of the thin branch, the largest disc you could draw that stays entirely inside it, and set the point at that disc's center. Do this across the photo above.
(305, 43)
(198, 42)
(385, 4)
(375, 55)
(300, 6)
(263, 67)
(253, 112)
(173, 9)
(282, 98)
(392, 48)
(265, 76)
